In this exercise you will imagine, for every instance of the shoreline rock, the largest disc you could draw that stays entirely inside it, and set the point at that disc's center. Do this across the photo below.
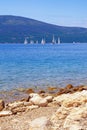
(2, 105)
(41, 123)
(71, 111)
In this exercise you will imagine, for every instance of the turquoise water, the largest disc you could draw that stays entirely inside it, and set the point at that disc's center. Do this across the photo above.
(42, 65)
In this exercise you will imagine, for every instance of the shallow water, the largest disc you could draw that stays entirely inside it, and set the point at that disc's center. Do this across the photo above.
(42, 65)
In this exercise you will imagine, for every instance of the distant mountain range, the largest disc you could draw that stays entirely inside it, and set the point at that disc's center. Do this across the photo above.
(14, 29)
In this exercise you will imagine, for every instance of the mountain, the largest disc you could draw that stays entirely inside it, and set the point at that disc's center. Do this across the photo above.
(14, 29)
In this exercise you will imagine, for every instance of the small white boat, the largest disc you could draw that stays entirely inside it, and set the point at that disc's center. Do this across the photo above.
(53, 40)
(43, 41)
(25, 41)
(58, 40)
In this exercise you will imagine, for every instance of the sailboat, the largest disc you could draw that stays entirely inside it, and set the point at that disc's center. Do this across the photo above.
(25, 41)
(58, 40)
(31, 41)
(43, 41)
(53, 40)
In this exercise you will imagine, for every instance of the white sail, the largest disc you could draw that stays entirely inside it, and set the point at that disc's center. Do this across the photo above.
(43, 41)
(58, 40)
(53, 40)
(25, 41)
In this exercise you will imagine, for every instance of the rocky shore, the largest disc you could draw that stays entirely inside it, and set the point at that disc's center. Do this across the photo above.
(55, 109)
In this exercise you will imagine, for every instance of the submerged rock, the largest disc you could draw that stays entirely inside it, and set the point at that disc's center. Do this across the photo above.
(41, 92)
(69, 86)
(30, 90)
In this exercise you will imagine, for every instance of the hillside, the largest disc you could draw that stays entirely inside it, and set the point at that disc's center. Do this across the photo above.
(14, 29)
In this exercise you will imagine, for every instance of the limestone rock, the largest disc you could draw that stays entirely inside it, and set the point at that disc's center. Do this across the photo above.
(71, 100)
(15, 104)
(33, 95)
(41, 123)
(23, 109)
(43, 103)
(5, 113)
(2, 105)
(59, 117)
(49, 98)
(31, 107)
(18, 109)
(27, 103)
(77, 117)
(72, 113)
(61, 98)
(74, 118)
(37, 100)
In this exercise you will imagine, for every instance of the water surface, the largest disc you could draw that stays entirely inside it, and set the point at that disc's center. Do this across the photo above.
(42, 65)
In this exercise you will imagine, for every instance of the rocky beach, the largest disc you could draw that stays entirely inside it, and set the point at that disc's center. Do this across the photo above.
(43, 65)
(55, 109)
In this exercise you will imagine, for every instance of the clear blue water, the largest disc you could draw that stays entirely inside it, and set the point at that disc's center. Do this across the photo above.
(42, 65)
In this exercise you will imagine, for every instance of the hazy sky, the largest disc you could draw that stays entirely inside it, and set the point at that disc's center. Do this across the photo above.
(59, 12)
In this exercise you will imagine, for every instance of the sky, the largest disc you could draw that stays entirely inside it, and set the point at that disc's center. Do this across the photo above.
(59, 12)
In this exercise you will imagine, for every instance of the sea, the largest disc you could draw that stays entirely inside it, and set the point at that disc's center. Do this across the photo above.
(36, 65)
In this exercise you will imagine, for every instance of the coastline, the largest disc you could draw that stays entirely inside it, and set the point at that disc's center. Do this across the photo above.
(51, 110)
(21, 93)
